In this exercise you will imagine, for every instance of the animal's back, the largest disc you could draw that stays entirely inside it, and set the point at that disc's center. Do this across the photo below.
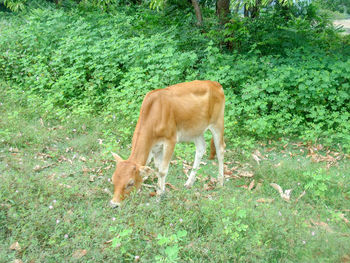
(189, 106)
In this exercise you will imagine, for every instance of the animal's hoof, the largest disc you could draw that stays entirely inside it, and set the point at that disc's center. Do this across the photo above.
(114, 204)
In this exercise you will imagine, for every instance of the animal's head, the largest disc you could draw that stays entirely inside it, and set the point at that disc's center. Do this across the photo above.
(126, 178)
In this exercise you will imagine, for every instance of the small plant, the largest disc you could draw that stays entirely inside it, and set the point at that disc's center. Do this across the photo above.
(170, 246)
(121, 238)
(233, 222)
(318, 183)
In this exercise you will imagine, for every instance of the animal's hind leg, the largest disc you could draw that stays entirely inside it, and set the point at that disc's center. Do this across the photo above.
(200, 151)
(218, 136)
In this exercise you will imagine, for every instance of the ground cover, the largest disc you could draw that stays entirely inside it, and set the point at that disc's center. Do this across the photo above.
(55, 188)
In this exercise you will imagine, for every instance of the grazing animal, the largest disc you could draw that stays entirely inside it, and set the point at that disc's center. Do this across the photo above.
(181, 112)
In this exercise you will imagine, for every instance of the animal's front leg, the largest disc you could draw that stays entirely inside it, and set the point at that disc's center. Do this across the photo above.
(200, 151)
(168, 149)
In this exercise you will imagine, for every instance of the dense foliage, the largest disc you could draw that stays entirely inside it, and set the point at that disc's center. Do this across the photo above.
(292, 80)
(72, 78)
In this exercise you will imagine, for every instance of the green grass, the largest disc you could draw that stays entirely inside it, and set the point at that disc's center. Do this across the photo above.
(52, 208)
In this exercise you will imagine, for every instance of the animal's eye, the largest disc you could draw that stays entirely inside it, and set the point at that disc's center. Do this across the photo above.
(130, 183)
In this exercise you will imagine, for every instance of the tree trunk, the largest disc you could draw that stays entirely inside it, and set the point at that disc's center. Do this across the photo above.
(246, 11)
(255, 10)
(198, 12)
(223, 10)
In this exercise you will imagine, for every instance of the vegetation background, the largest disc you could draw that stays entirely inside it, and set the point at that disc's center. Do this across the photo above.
(73, 75)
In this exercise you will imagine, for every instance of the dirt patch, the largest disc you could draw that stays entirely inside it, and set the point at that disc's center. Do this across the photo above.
(343, 22)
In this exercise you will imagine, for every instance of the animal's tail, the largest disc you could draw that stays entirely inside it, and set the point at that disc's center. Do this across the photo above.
(212, 149)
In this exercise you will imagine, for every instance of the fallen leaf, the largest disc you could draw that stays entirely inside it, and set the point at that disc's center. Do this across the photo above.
(285, 195)
(256, 158)
(277, 165)
(38, 168)
(265, 200)
(151, 194)
(208, 187)
(345, 259)
(65, 185)
(342, 216)
(322, 225)
(258, 186)
(245, 174)
(271, 149)
(251, 185)
(258, 153)
(92, 178)
(242, 186)
(300, 196)
(13, 150)
(108, 241)
(17, 261)
(79, 253)
(171, 186)
(15, 246)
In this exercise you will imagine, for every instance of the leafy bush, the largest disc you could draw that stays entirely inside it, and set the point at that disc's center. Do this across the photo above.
(279, 29)
(88, 62)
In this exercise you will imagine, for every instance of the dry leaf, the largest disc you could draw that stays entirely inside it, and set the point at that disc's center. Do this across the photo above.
(271, 149)
(277, 165)
(151, 194)
(342, 216)
(171, 186)
(85, 171)
(265, 200)
(15, 246)
(245, 174)
(65, 185)
(228, 172)
(242, 186)
(13, 150)
(256, 158)
(92, 178)
(108, 241)
(323, 225)
(258, 186)
(251, 185)
(79, 253)
(285, 195)
(300, 196)
(17, 261)
(345, 259)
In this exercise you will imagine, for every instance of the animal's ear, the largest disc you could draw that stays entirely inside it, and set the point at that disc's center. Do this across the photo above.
(117, 157)
(145, 172)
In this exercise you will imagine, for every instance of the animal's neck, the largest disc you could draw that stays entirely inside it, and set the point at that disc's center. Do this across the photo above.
(141, 146)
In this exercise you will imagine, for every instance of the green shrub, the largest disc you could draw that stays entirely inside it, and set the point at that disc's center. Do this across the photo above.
(88, 62)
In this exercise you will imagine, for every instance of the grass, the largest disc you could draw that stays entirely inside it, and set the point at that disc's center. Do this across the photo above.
(54, 202)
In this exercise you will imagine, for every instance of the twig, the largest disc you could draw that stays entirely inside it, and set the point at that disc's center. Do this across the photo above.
(149, 186)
